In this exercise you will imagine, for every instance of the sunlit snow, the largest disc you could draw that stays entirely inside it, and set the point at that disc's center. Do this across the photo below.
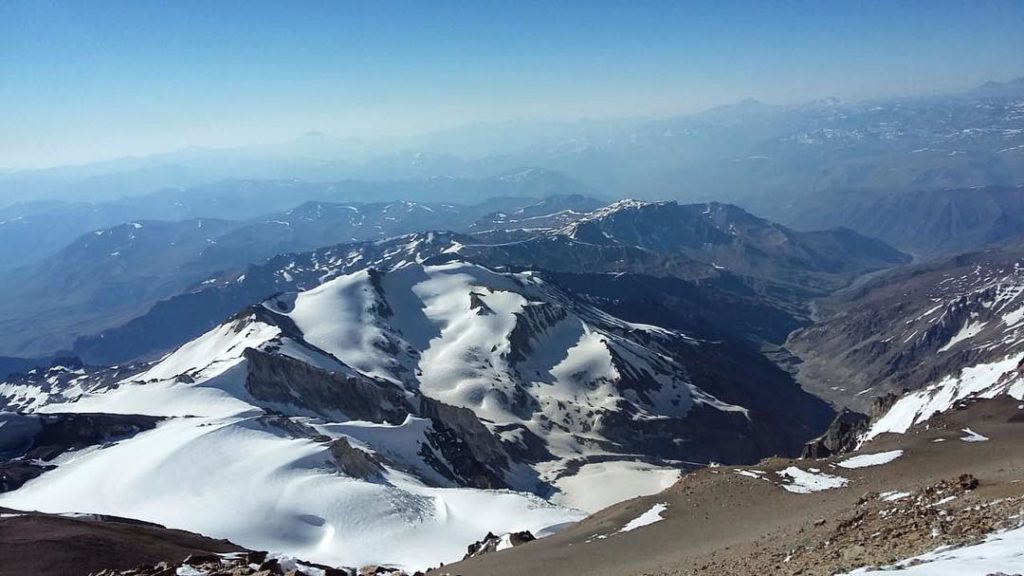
(865, 460)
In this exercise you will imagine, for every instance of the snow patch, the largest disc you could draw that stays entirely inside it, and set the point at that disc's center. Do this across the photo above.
(806, 482)
(646, 519)
(968, 331)
(596, 486)
(865, 460)
(972, 436)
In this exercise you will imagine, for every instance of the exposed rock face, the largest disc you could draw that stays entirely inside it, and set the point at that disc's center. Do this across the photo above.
(476, 456)
(29, 441)
(280, 379)
(840, 437)
(14, 474)
(469, 453)
(63, 432)
(530, 323)
(356, 463)
(492, 543)
(882, 404)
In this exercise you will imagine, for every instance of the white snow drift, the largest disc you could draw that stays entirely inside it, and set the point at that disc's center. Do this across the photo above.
(865, 460)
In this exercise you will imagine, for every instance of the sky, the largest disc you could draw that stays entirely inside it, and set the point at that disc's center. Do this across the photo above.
(83, 81)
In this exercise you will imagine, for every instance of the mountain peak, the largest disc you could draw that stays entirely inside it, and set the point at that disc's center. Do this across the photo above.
(994, 89)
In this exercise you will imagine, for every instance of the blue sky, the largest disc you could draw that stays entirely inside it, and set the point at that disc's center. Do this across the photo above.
(88, 80)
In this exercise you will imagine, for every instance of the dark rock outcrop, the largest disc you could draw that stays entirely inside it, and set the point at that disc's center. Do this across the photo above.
(355, 462)
(31, 440)
(279, 379)
(492, 543)
(476, 456)
(840, 437)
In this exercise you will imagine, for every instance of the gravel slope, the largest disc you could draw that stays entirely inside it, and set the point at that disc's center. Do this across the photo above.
(718, 521)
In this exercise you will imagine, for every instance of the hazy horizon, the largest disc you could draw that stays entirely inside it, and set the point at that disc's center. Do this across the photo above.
(119, 79)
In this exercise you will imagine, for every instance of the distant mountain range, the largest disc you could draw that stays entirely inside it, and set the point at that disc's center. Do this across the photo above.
(764, 266)
(421, 362)
(31, 231)
(758, 155)
(926, 223)
(108, 276)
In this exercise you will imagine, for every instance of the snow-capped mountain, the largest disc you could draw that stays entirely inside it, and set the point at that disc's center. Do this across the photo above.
(379, 416)
(180, 318)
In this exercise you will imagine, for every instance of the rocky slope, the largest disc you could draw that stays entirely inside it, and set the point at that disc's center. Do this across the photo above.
(700, 241)
(955, 321)
(884, 508)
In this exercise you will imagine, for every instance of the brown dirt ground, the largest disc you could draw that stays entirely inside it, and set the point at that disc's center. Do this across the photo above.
(721, 523)
(47, 545)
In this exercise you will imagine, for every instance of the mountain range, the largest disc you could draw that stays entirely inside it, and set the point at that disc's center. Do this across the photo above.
(33, 230)
(109, 276)
(386, 388)
(764, 157)
(776, 267)
(330, 357)
(929, 223)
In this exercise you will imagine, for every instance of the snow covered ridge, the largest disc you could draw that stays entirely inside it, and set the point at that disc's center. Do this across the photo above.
(990, 304)
(989, 380)
(373, 482)
(620, 206)
(615, 209)
(499, 344)
(383, 417)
